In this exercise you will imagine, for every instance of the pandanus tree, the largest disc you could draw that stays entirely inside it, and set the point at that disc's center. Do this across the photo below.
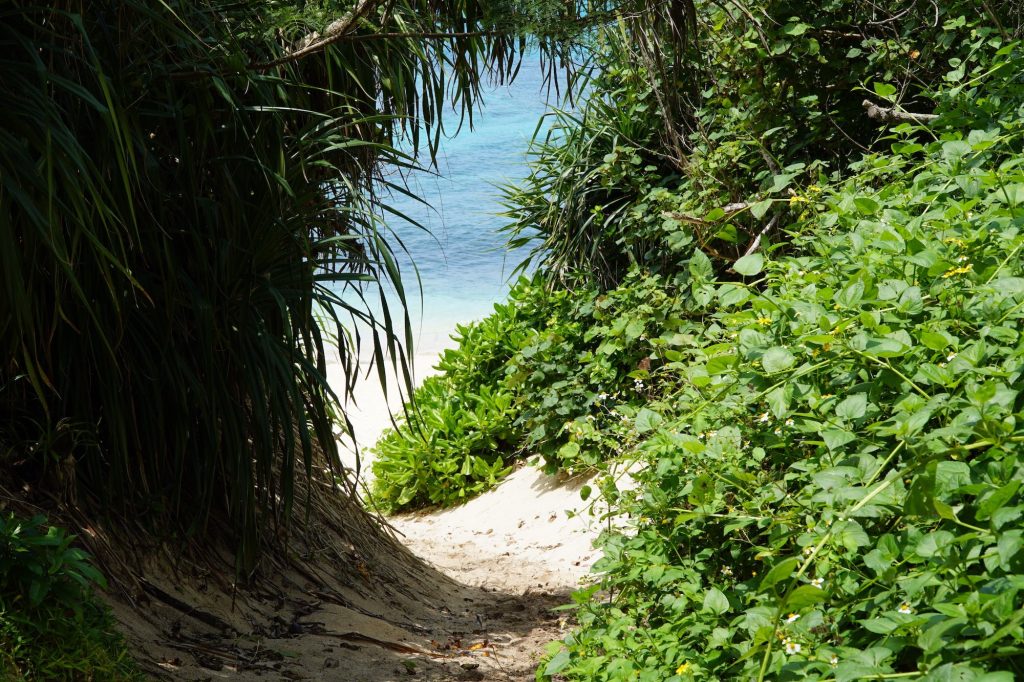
(187, 191)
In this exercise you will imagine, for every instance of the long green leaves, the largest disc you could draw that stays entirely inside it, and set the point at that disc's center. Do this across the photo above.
(177, 217)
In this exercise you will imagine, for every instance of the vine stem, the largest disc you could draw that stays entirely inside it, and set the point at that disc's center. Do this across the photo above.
(878, 489)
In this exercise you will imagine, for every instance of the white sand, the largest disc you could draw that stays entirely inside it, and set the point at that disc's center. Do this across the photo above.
(531, 533)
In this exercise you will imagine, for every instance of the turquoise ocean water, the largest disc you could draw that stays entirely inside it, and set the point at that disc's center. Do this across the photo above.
(461, 259)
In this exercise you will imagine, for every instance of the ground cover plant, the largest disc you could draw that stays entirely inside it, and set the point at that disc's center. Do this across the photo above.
(457, 437)
(808, 335)
(51, 625)
(832, 490)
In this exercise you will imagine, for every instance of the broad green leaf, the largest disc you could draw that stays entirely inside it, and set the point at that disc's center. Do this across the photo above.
(996, 499)
(805, 596)
(932, 340)
(881, 626)
(760, 208)
(749, 265)
(866, 205)
(881, 347)
(934, 543)
(851, 295)
(557, 663)
(777, 359)
(884, 90)
(853, 407)
(837, 438)
(700, 266)
(647, 420)
(779, 572)
(716, 601)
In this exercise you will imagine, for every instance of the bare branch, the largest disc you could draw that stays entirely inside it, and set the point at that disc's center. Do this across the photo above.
(756, 244)
(892, 115)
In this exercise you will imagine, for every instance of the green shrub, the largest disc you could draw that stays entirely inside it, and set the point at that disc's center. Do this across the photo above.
(457, 436)
(835, 457)
(777, 101)
(51, 626)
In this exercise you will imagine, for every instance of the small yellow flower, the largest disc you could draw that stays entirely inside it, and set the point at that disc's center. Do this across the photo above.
(814, 188)
(914, 54)
(764, 321)
(683, 667)
(797, 199)
(957, 271)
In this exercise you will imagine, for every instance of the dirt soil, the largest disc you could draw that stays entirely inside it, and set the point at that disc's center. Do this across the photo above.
(472, 598)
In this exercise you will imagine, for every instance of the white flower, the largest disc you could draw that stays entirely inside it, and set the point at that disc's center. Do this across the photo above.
(726, 570)
(793, 617)
(764, 418)
(949, 358)
(778, 432)
(638, 384)
(712, 434)
(808, 551)
(792, 647)
(603, 397)
(819, 583)
(834, 661)
(905, 609)
(789, 422)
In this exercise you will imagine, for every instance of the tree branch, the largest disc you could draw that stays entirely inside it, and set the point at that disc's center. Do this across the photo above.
(756, 244)
(891, 115)
(315, 41)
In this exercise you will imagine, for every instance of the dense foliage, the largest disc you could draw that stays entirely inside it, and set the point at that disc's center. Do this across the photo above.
(832, 484)
(625, 179)
(51, 627)
(187, 193)
(458, 437)
(812, 352)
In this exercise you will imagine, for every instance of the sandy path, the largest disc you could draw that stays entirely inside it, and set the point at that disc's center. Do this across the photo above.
(529, 542)
(478, 604)
(532, 533)
(519, 551)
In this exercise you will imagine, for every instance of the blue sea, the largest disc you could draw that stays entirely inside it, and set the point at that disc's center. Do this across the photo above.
(463, 265)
